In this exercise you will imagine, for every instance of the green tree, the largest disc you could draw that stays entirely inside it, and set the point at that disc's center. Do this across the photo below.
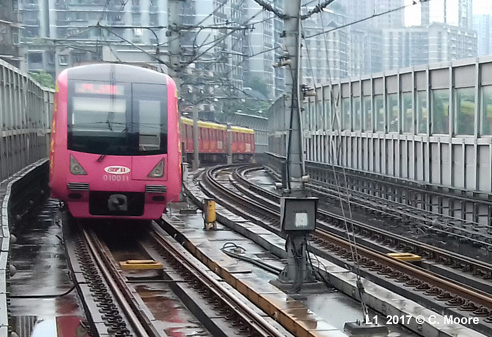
(250, 107)
(44, 79)
(257, 84)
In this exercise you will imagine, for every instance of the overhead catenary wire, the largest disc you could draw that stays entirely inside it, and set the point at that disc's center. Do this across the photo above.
(349, 231)
(375, 15)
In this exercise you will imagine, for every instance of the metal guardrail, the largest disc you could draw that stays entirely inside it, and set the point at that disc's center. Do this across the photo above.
(25, 118)
(9, 195)
(451, 206)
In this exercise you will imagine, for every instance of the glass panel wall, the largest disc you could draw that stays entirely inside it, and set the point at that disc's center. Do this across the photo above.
(346, 114)
(464, 109)
(422, 113)
(486, 110)
(440, 111)
(392, 107)
(379, 107)
(357, 113)
(407, 112)
(367, 114)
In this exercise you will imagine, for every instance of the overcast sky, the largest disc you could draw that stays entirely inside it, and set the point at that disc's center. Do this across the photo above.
(412, 13)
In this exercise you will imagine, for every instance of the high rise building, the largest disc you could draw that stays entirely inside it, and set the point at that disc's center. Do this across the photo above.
(60, 33)
(482, 24)
(325, 57)
(366, 54)
(417, 45)
(9, 32)
(258, 47)
(452, 12)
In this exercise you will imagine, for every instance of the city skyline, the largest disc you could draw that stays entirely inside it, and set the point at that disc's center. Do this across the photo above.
(412, 13)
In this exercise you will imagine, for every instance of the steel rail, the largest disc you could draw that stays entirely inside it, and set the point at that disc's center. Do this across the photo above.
(453, 287)
(248, 316)
(428, 251)
(118, 287)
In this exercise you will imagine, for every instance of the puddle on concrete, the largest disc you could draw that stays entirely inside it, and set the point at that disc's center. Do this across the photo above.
(41, 275)
(33, 326)
(170, 313)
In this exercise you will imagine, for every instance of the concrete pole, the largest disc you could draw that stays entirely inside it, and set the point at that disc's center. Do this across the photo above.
(295, 167)
(174, 22)
(196, 159)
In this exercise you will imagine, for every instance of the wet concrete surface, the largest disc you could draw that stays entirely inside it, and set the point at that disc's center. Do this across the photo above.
(170, 314)
(326, 310)
(42, 274)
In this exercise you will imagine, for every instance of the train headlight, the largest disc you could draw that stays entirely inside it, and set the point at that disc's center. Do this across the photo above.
(76, 168)
(158, 170)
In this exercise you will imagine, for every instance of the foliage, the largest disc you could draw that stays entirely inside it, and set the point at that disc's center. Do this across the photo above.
(257, 84)
(44, 79)
(249, 107)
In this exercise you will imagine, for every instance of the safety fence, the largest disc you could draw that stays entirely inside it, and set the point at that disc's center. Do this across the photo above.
(25, 119)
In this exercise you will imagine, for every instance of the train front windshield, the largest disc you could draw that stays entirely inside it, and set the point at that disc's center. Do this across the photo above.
(117, 119)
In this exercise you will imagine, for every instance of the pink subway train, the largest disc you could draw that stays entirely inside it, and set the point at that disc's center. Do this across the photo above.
(115, 145)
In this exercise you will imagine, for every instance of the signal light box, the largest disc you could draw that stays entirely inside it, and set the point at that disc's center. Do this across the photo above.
(298, 214)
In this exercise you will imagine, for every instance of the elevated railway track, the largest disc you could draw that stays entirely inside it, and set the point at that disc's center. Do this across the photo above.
(440, 288)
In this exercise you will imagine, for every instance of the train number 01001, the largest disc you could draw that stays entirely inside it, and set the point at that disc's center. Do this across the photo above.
(115, 177)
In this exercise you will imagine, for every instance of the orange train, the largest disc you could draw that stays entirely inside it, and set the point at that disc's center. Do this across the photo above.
(213, 141)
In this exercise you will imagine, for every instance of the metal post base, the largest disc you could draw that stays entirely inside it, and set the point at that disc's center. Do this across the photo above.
(289, 276)
(367, 329)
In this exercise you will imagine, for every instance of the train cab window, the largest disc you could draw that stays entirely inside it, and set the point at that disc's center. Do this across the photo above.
(98, 114)
(150, 118)
(149, 130)
(117, 119)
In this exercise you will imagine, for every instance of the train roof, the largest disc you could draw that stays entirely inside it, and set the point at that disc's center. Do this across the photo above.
(212, 125)
(116, 72)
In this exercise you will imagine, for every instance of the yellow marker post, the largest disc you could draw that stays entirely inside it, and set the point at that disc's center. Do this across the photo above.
(210, 214)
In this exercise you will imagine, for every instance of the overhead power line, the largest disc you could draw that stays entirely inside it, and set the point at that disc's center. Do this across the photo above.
(317, 9)
(415, 2)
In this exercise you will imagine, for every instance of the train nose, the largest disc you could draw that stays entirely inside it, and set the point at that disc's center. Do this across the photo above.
(117, 202)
